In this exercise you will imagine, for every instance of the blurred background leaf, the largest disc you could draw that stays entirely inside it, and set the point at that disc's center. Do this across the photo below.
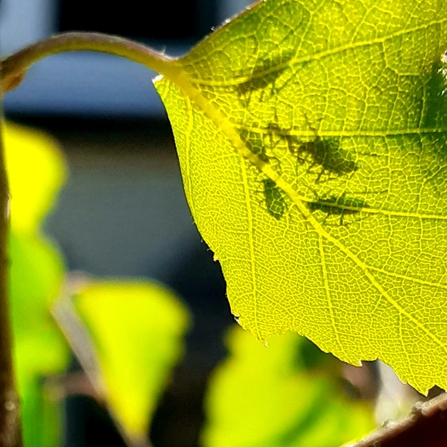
(36, 171)
(137, 330)
(289, 394)
(136, 327)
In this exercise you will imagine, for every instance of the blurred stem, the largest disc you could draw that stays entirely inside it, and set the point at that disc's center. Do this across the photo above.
(10, 435)
(14, 68)
(425, 426)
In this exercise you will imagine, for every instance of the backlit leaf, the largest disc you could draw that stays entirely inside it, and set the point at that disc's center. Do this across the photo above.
(312, 142)
(36, 170)
(136, 330)
(266, 397)
(36, 275)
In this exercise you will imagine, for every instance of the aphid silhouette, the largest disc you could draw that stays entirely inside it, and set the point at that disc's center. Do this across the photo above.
(326, 154)
(337, 206)
(274, 199)
(255, 143)
(284, 135)
(265, 74)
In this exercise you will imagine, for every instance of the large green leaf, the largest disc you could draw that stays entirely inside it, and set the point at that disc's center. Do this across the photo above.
(259, 397)
(312, 142)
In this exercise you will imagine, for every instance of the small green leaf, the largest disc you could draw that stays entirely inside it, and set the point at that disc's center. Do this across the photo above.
(312, 143)
(136, 330)
(36, 172)
(264, 397)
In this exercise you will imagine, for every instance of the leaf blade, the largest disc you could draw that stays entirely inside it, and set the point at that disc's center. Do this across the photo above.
(347, 120)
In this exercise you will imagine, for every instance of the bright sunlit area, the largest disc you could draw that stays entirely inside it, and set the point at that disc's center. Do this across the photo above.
(123, 332)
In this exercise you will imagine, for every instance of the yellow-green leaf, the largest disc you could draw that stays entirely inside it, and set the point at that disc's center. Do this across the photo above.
(265, 397)
(136, 330)
(40, 350)
(36, 172)
(312, 143)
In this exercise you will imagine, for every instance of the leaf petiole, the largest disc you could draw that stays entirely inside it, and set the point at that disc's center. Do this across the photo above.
(13, 68)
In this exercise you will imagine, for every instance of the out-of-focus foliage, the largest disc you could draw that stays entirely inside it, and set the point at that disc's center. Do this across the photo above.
(137, 327)
(40, 349)
(36, 171)
(137, 330)
(279, 397)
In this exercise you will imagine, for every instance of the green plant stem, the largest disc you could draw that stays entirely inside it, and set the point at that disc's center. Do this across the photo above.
(14, 68)
(10, 433)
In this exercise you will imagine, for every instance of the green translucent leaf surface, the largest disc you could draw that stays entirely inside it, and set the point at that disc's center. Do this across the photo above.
(35, 171)
(312, 142)
(266, 397)
(136, 330)
(40, 350)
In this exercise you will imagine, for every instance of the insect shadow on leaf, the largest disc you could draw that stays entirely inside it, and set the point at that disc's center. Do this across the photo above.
(255, 143)
(265, 74)
(274, 199)
(283, 135)
(326, 156)
(333, 205)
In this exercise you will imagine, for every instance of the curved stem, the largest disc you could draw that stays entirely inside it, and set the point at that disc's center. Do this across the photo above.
(13, 68)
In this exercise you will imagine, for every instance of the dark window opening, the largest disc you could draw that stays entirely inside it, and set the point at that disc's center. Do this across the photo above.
(141, 20)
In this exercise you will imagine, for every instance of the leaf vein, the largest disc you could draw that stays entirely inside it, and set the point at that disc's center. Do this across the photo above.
(328, 293)
(409, 278)
(187, 153)
(251, 244)
(314, 57)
